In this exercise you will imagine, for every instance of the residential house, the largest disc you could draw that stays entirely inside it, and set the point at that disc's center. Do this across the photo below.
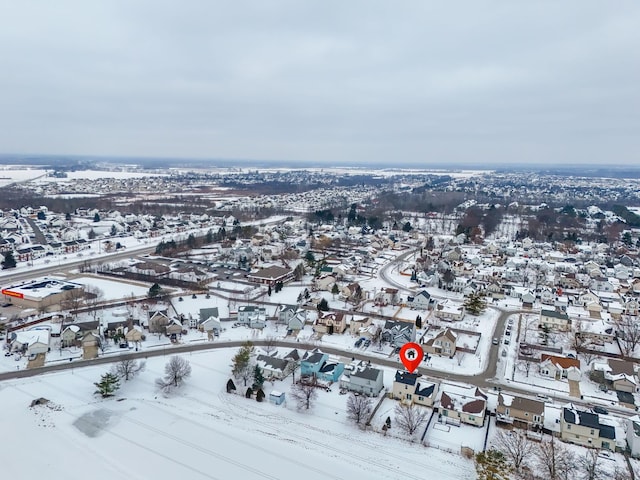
(387, 296)
(398, 333)
(134, 334)
(30, 342)
(317, 364)
(272, 366)
(252, 316)
(285, 313)
(463, 403)
(522, 412)
(442, 344)
(449, 310)
(90, 345)
(296, 323)
(212, 327)
(324, 283)
(362, 378)
(586, 429)
(601, 284)
(158, 321)
(203, 315)
(411, 388)
(554, 320)
(559, 368)
(421, 301)
(359, 326)
(330, 323)
(620, 375)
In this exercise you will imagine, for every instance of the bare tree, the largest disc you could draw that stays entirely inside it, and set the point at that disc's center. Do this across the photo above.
(628, 333)
(175, 371)
(305, 393)
(269, 345)
(92, 297)
(588, 465)
(524, 366)
(516, 447)
(409, 417)
(73, 300)
(621, 474)
(290, 369)
(359, 407)
(459, 356)
(555, 460)
(128, 368)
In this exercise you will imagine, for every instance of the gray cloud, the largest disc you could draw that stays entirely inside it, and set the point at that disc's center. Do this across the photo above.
(414, 81)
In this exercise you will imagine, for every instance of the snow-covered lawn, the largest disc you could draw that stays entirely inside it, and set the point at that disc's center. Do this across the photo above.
(199, 431)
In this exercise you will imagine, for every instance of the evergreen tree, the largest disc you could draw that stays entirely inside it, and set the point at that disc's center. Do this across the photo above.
(335, 290)
(418, 321)
(475, 304)
(249, 393)
(241, 362)
(92, 234)
(323, 306)
(258, 378)
(114, 230)
(107, 385)
(260, 395)
(9, 261)
(231, 387)
(155, 290)
(96, 217)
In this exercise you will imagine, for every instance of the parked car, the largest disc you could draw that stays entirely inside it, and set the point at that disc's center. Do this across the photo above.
(495, 341)
(600, 410)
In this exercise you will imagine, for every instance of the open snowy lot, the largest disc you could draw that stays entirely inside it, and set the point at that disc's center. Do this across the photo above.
(199, 431)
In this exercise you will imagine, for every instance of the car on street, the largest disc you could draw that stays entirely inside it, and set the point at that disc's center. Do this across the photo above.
(495, 341)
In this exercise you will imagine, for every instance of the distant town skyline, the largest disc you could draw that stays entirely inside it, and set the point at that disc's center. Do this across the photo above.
(330, 83)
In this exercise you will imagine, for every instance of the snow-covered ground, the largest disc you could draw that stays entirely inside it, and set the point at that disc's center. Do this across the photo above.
(199, 431)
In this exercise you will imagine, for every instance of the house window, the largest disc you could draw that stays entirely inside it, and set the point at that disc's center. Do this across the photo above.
(536, 418)
(568, 427)
(526, 414)
(506, 411)
(421, 398)
(445, 413)
(408, 397)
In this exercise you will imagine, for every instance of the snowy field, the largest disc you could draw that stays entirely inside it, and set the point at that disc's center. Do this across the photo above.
(113, 289)
(197, 432)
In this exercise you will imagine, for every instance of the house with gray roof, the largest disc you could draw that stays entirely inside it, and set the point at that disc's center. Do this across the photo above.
(362, 378)
(586, 429)
(411, 388)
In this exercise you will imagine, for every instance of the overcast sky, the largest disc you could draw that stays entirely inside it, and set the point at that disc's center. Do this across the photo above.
(332, 81)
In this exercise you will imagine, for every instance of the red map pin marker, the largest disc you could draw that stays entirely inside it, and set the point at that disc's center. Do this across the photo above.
(411, 355)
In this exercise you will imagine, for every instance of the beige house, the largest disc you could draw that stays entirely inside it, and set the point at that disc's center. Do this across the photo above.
(410, 388)
(358, 326)
(554, 320)
(586, 428)
(158, 322)
(443, 344)
(330, 323)
(522, 412)
(463, 403)
(90, 346)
